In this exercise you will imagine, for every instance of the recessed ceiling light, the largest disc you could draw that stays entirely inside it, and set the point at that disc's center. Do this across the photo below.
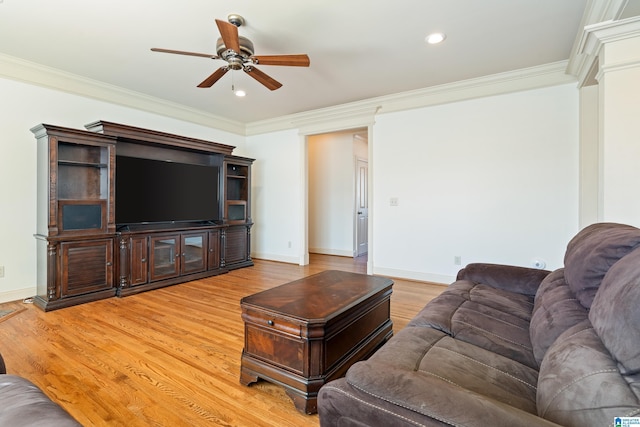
(240, 93)
(435, 38)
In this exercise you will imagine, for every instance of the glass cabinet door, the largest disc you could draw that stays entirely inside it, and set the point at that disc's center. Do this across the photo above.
(165, 257)
(194, 249)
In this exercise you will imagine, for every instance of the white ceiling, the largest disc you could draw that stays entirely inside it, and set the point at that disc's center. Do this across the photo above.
(359, 49)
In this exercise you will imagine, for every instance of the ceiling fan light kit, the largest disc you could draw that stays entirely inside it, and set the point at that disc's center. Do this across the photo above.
(238, 52)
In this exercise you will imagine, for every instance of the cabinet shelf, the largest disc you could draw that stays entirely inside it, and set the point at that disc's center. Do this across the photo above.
(80, 163)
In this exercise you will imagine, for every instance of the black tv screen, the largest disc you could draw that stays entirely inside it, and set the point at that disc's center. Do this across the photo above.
(150, 191)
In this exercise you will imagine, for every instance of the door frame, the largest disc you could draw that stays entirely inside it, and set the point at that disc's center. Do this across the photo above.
(304, 188)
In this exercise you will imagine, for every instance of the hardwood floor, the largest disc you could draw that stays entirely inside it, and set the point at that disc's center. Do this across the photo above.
(168, 357)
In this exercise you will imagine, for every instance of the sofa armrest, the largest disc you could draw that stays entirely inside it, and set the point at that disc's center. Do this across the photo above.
(510, 278)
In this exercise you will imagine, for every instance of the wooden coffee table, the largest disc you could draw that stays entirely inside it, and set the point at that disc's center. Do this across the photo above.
(306, 333)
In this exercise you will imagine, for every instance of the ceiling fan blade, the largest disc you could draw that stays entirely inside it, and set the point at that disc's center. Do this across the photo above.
(289, 60)
(229, 33)
(209, 81)
(267, 81)
(181, 52)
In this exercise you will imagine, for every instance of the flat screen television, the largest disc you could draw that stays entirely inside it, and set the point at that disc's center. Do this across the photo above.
(156, 191)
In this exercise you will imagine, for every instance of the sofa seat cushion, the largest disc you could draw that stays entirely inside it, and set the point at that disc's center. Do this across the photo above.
(24, 404)
(580, 383)
(428, 372)
(592, 252)
(556, 309)
(466, 312)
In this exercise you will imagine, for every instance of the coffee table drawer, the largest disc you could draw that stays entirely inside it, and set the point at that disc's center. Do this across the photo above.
(272, 322)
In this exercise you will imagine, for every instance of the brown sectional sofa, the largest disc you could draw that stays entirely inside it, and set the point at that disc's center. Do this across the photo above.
(511, 346)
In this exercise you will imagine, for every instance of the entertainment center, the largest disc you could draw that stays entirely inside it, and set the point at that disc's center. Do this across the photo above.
(121, 210)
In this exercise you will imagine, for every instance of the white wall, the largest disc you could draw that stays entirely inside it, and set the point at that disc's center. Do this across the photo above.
(278, 180)
(490, 180)
(22, 107)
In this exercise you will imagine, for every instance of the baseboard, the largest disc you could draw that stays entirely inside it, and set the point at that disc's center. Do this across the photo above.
(335, 252)
(414, 275)
(17, 294)
(276, 257)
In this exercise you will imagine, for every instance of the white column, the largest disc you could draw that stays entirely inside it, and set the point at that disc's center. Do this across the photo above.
(617, 47)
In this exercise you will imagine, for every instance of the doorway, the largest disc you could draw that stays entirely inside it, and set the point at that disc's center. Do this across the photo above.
(338, 193)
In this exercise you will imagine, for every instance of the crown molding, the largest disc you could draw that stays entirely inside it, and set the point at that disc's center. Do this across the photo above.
(582, 65)
(52, 78)
(362, 113)
(339, 117)
(594, 37)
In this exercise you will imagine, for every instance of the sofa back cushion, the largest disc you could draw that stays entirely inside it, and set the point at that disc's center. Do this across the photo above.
(555, 310)
(591, 373)
(579, 382)
(592, 252)
(615, 313)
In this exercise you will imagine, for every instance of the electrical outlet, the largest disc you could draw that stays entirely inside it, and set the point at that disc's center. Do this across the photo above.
(1, 270)
(457, 260)
(289, 244)
(393, 201)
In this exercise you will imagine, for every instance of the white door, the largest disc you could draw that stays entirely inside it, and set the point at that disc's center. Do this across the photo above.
(362, 207)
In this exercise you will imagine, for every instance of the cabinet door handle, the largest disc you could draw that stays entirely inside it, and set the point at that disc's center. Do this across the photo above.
(108, 264)
(270, 322)
(143, 260)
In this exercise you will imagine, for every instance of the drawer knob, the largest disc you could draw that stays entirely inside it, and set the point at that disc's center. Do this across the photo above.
(270, 322)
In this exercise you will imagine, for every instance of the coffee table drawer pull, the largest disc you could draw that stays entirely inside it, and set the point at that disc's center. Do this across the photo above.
(270, 322)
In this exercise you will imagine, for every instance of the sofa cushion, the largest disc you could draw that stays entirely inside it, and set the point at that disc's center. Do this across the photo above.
(430, 373)
(516, 280)
(615, 313)
(555, 310)
(482, 316)
(580, 384)
(592, 252)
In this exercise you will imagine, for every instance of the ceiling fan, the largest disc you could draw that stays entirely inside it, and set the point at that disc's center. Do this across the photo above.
(238, 52)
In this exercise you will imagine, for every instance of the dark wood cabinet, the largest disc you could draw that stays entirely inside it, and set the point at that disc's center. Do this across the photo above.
(86, 267)
(138, 257)
(237, 212)
(165, 256)
(177, 254)
(150, 259)
(83, 255)
(237, 246)
(75, 216)
(213, 257)
(194, 249)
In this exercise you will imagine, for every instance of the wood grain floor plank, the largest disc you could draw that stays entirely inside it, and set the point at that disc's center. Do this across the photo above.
(171, 356)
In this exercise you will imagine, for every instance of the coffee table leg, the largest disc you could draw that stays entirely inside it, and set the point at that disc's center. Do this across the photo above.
(306, 405)
(247, 377)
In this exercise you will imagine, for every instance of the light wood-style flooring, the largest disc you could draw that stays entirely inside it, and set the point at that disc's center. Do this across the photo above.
(168, 357)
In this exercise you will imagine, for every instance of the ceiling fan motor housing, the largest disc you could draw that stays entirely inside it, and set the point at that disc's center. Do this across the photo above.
(235, 59)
